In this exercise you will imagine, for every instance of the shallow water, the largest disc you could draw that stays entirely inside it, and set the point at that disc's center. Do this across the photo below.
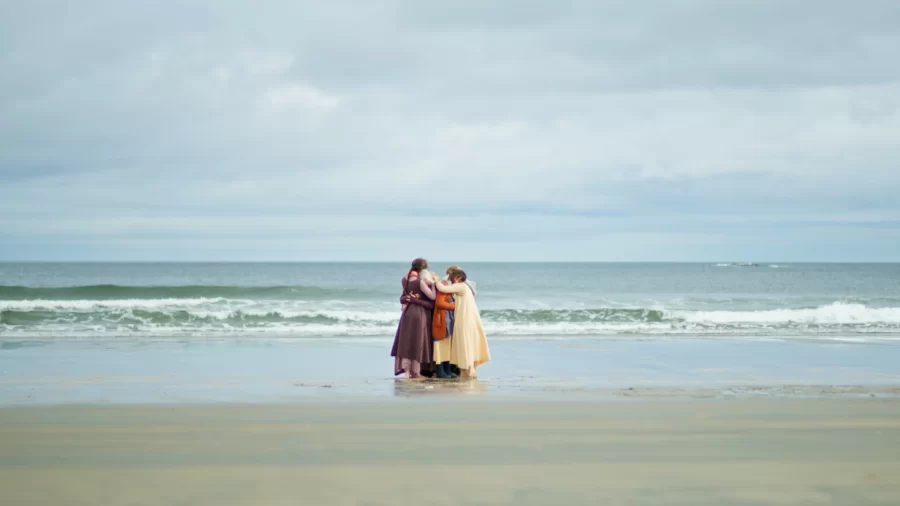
(845, 302)
(257, 371)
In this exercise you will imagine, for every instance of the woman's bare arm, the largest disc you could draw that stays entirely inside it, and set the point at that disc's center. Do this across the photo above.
(427, 290)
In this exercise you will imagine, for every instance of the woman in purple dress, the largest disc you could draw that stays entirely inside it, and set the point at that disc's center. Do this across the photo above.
(412, 350)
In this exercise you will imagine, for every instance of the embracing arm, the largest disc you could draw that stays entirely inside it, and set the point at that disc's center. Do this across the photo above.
(427, 290)
(427, 304)
(457, 288)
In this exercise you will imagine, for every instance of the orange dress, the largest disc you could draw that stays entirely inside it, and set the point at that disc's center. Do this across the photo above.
(442, 347)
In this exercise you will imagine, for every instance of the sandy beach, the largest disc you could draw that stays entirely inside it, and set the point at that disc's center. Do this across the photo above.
(624, 422)
(747, 452)
(262, 422)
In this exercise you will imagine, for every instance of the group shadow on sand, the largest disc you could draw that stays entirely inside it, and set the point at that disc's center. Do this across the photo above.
(440, 334)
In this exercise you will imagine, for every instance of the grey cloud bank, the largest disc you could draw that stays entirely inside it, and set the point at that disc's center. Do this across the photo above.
(515, 131)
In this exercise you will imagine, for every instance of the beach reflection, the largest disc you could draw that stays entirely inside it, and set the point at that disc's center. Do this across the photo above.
(429, 387)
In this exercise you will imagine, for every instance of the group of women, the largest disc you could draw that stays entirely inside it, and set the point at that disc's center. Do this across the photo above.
(440, 332)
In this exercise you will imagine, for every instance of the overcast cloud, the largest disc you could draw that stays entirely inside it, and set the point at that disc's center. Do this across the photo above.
(520, 130)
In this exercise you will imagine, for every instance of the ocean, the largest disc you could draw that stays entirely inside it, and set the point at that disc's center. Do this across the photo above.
(359, 301)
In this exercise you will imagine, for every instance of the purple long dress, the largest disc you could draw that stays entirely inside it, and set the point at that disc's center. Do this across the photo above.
(412, 350)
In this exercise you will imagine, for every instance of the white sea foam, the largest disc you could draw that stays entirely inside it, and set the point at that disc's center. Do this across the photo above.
(345, 315)
(836, 313)
(216, 316)
(91, 305)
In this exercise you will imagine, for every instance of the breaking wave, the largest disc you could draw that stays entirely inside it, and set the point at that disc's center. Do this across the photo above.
(194, 315)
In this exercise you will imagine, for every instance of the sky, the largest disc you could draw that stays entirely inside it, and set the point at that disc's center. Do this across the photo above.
(700, 130)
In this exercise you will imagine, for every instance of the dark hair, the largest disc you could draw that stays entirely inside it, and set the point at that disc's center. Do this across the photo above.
(419, 265)
(458, 275)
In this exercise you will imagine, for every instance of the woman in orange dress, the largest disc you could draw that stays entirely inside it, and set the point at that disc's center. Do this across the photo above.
(442, 332)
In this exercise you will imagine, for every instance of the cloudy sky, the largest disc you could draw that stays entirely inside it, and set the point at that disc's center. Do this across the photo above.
(702, 130)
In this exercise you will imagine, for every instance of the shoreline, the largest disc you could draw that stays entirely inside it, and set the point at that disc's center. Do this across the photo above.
(191, 372)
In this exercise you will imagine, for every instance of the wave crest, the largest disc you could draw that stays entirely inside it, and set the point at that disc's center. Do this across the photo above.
(210, 316)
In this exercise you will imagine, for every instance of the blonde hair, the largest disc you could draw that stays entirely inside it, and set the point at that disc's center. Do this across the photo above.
(429, 276)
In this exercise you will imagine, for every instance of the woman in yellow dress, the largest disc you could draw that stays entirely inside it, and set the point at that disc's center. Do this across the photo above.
(469, 346)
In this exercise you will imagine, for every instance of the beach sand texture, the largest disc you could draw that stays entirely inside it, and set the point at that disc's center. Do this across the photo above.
(673, 452)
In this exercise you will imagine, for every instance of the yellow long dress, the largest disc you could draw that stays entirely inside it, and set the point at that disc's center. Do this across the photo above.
(469, 346)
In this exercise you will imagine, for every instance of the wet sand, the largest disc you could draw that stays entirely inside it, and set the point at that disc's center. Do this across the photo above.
(452, 451)
(283, 372)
